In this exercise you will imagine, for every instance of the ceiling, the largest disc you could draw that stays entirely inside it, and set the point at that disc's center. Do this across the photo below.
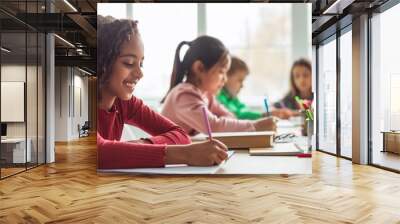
(76, 23)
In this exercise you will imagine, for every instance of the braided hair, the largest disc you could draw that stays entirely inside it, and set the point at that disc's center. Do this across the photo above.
(111, 34)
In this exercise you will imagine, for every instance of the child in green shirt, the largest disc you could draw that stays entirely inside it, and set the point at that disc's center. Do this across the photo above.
(228, 95)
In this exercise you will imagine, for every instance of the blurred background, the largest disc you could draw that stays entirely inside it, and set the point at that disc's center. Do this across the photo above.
(268, 37)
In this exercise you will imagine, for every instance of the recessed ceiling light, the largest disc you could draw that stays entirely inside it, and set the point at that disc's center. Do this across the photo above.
(64, 40)
(70, 5)
(5, 50)
(337, 7)
(86, 72)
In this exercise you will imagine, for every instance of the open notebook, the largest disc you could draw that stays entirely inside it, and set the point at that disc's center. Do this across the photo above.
(170, 169)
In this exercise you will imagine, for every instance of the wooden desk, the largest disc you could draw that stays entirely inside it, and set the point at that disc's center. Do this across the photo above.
(241, 162)
(391, 141)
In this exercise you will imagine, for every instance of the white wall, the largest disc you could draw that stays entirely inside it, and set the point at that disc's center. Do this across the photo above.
(33, 126)
(12, 73)
(67, 115)
(80, 83)
(301, 44)
(61, 103)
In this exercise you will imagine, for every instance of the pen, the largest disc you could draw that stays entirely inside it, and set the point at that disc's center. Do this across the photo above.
(304, 155)
(266, 106)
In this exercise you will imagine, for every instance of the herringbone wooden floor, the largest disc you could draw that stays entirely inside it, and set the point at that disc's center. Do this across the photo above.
(70, 191)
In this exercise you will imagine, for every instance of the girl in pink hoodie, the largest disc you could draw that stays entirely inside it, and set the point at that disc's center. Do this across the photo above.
(195, 81)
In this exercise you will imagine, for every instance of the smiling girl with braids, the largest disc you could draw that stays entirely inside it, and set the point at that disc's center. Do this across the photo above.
(119, 65)
(205, 67)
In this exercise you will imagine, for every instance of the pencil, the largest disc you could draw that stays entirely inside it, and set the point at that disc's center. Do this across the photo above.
(207, 122)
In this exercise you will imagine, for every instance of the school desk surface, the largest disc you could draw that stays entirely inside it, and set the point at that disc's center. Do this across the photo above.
(71, 191)
(241, 162)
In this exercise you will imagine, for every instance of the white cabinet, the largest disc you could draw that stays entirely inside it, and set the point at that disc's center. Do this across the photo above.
(13, 150)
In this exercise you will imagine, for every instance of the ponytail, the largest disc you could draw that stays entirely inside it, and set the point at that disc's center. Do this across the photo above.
(178, 71)
(208, 50)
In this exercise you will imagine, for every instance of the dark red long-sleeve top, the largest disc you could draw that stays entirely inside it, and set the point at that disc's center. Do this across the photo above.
(114, 154)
